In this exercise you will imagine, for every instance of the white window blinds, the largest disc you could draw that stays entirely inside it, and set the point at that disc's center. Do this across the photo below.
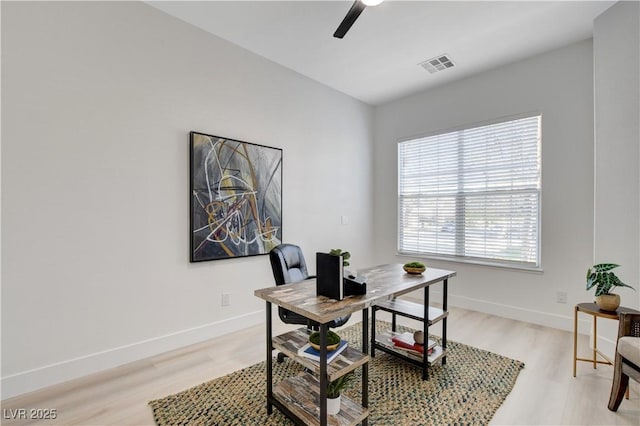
(472, 193)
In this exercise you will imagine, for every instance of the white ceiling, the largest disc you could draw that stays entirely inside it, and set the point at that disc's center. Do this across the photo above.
(377, 60)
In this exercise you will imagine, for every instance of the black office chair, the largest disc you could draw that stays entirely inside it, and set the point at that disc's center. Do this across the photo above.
(288, 265)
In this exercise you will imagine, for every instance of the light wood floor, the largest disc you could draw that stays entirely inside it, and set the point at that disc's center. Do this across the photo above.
(545, 392)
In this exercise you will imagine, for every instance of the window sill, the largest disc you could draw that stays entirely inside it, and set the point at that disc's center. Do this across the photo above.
(474, 261)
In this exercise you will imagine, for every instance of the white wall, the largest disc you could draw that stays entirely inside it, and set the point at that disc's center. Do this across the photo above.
(559, 85)
(97, 102)
(616, 45)
(617, 142)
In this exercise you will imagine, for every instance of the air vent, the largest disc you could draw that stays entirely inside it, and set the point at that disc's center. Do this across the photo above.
(438, 63)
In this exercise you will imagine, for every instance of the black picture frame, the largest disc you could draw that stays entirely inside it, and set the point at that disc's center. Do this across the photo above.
(235, 197)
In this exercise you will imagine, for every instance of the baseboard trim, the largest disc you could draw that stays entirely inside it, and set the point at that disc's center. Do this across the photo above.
(53, 374)
(42, 377)
(607, 347)
(547, 319)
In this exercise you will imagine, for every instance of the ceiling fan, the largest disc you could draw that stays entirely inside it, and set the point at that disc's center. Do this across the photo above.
(356, 9)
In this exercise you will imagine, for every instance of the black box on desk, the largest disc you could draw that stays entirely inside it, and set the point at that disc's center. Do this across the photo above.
(329, 276)
(354, 285)
(330, 281)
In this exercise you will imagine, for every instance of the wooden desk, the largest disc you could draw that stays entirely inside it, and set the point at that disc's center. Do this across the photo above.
(384, 282)
(593, 310)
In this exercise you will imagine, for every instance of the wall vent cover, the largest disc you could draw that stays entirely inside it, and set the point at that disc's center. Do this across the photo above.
(437, 63)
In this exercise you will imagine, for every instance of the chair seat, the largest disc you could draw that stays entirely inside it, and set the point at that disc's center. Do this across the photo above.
(627, 363)
(629, 348)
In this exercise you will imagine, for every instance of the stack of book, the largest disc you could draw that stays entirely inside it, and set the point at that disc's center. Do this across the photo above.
(405, 341)
(308, 352)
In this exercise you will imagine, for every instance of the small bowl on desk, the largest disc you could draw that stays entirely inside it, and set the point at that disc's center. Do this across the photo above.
(414, 268)
(333, 341)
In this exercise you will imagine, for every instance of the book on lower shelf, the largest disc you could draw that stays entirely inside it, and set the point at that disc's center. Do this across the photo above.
(405, 341)
(308, 352)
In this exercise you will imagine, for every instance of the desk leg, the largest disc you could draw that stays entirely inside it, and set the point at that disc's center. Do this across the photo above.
(575, 339)
(365, 367)
(425, 330)
(323, 374)
(595, 341)
(373, 331)
(445, 286)
(269, 362)
(393, 321)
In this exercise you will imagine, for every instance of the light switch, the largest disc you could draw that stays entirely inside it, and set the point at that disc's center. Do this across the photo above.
(344, 220)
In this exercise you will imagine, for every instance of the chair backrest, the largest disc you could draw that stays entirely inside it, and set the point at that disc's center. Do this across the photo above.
(287, 264)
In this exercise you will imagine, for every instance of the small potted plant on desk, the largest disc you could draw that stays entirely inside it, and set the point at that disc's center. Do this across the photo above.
(333, 392)
(345, 255)
(345, 259)
(416, 268)
(601, 277)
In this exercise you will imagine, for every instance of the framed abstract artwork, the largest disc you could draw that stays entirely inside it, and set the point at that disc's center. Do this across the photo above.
(236, 198)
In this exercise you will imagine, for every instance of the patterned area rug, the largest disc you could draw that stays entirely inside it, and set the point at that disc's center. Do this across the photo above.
(467, 390)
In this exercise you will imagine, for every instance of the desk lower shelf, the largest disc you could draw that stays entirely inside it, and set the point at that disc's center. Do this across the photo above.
(412, 310)
(300, 396)
(415, 311)
(383, 342)
(348, 360)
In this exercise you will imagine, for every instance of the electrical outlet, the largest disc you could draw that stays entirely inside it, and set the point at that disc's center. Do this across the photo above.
(226, 299)
(561, 297)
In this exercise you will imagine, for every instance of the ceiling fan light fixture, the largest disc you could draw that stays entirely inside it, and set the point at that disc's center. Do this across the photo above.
(356, 9)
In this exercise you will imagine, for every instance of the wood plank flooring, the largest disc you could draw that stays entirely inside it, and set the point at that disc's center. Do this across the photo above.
(545, 393)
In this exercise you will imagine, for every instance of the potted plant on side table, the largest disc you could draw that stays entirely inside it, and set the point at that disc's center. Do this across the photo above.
(601, 277)
(333, 392)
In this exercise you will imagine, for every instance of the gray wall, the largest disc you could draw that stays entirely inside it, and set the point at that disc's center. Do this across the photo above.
(98, 99)
(557, 84)
(616, 51)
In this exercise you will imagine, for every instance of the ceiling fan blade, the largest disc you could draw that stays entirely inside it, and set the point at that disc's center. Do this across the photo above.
(356, 9)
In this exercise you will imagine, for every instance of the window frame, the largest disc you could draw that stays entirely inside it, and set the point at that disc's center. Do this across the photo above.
(506, 264)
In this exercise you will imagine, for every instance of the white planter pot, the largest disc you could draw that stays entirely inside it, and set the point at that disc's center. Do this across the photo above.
(333, 405)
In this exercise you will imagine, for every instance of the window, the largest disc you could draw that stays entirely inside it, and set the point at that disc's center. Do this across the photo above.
(473, 194)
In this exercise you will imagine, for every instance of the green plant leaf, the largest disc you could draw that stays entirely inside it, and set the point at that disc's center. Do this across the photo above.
(604, 267)
(591, 280)
(603, 288)
(345, 255)
(621, 284)
(606, 280)
(618, 283)
(600, 277)
(334, 388)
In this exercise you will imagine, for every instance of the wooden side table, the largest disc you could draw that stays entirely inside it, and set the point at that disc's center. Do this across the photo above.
(596, 312)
